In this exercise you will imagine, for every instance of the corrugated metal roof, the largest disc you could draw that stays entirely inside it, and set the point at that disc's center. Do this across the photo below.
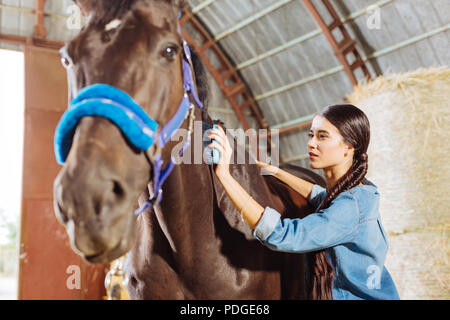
(281, 52)
(291, 67)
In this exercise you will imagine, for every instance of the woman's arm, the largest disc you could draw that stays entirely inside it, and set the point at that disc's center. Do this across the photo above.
(329, 227)
(250, 210)
(301, 186)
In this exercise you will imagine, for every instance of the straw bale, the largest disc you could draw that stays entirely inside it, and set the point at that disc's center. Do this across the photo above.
(409, 156)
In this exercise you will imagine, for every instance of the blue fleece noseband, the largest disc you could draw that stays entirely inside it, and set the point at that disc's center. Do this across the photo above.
(105, 101)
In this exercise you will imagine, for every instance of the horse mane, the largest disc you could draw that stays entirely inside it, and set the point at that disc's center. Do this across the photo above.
(201, 80)
(104, 11)
(107, 10)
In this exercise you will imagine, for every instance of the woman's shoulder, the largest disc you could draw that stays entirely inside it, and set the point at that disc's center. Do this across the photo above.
(366, 189)
(367, 197)
(365, 194)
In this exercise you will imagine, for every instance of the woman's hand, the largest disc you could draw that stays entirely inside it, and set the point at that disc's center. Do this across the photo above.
(224, 147)
(267, 169)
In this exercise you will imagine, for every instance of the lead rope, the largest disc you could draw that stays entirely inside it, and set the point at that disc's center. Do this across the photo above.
(116, 281)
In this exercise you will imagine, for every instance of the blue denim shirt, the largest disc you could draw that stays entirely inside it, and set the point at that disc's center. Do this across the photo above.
(351, 233)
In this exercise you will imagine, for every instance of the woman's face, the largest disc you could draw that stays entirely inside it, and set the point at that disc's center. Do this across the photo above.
(326, 146)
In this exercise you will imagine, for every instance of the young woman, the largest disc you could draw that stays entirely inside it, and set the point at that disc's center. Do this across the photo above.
(345, 233)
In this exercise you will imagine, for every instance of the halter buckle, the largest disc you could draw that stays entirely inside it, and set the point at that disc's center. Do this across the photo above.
(155, 200)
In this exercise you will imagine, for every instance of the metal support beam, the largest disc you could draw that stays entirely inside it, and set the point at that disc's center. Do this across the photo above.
(305, 37)
(284, 127)
(337, 69)
(345, 46)
(299, 83)
(252, 18)
(32, 11)
(294, 122)
(228, 79)
(279, 49)
(202, 5)
(39, 27)
(230, 82)
(37, 42)
(408, 42)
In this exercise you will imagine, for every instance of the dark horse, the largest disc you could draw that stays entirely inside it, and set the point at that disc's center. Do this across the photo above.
(193, 245)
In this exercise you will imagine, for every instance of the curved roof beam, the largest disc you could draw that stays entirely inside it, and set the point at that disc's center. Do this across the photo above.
(202, 5)
(228, 79)
(337, 69)
(305, 37)
(274, 6)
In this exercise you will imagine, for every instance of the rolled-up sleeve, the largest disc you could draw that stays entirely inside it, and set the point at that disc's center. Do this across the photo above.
(334, 225)
(316, 196)
(267, 223)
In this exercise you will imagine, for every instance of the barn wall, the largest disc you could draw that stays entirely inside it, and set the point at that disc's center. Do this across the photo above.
(46, 259)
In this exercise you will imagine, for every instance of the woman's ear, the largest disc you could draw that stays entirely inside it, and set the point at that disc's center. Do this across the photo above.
(349, 150)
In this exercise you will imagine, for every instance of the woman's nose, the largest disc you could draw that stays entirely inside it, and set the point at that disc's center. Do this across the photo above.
(312, 143)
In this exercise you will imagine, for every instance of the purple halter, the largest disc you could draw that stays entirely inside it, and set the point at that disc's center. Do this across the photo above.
(159, 174)
(116, 105)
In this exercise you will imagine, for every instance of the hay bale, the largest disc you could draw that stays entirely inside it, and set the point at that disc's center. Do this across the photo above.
(409, 156)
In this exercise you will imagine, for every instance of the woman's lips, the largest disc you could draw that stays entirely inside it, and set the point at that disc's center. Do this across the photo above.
(312, 155)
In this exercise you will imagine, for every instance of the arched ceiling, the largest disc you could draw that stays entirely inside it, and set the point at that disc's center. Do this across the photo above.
(290, 66)
(281, 53)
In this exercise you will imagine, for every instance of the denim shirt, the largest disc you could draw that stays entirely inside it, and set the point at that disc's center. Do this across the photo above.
(351, 233)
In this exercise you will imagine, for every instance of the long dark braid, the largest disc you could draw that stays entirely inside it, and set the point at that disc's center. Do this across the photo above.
(354, 127)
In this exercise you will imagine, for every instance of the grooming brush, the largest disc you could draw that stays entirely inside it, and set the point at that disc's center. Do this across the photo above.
(211, 155)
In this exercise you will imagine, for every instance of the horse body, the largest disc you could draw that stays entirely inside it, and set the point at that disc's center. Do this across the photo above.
(196, 246)
(193, 244)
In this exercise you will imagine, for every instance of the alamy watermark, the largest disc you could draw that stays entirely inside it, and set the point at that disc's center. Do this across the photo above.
(75, 19)
(73, 281)
(373, 21)
(257, 140)
(374, 279)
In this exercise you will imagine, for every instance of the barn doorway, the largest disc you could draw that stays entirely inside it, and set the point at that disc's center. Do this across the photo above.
(11, 151)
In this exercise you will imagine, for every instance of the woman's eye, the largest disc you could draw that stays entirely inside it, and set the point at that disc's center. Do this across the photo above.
(310, 135)
(169, 53)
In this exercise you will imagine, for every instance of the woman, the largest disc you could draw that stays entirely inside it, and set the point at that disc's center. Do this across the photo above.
(345, 233)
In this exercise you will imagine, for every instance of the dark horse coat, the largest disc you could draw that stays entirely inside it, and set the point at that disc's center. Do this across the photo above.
(194, 245)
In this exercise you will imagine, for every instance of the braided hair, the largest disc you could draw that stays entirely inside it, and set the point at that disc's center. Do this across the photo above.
(354, 128)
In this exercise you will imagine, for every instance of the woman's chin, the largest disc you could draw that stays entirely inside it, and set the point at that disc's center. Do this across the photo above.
(314, 166)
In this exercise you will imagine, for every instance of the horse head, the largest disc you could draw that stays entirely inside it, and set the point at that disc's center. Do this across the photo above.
(127, 64)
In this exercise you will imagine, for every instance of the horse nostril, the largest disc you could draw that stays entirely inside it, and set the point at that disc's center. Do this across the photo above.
(97, 207)
(133, 281)
(61, 213)
(117, 189)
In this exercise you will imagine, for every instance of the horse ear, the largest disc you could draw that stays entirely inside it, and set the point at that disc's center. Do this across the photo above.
(180, 4)
(85, 6)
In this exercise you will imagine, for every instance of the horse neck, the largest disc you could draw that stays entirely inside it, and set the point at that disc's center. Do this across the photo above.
(192, 194)
(187, 194)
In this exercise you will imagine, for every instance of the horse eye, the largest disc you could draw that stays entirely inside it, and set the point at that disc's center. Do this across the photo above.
(65, 62)
(169, 53)
(65, 58)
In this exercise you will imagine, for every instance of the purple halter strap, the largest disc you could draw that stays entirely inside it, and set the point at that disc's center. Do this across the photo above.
(159, 174)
